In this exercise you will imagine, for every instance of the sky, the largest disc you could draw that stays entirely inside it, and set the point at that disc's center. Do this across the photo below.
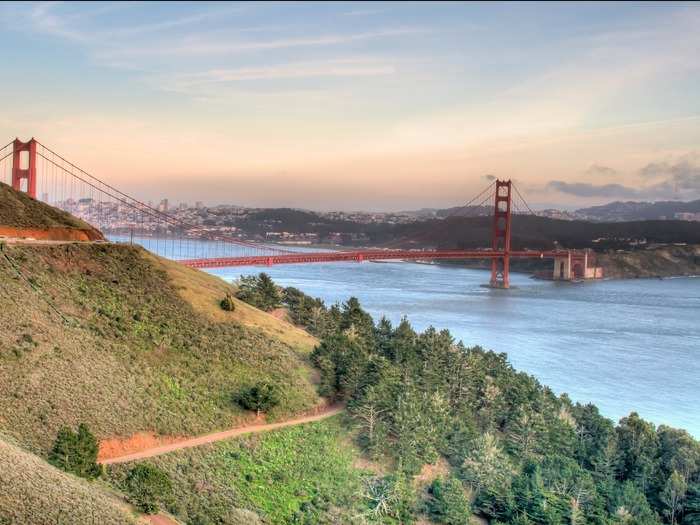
(361, 106)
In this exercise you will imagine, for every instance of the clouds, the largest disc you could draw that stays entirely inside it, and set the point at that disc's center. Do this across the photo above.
(597, 170)
(668, 179)
(587, 189)
(345, 67)
(685, 172)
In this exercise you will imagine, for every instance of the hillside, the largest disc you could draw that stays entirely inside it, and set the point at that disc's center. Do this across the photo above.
(638, 211)
(22, 216)
(542, 233)
(144, 346)
(663, 261)
(32, 491)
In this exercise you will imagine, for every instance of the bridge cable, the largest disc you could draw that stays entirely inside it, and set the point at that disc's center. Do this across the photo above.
(144, 209)
(523, 199)
(151, 211)
(489, 187)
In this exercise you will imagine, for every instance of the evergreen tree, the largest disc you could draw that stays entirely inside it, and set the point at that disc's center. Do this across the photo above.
(148, 487)
(673, 496)
(631, 506)
(691, 514)
(260, 397)
(638, 449)
(268, 292)
(76, 452)
(448, 503)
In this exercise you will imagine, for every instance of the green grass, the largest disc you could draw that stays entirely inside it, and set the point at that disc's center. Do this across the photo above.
(33, 492)
(136, 354)
(302, 474)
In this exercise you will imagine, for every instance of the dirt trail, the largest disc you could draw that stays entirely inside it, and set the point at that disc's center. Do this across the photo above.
(226, 434)
(160, 519)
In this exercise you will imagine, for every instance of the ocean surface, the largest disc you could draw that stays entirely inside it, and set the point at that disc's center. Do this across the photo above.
(624, 345)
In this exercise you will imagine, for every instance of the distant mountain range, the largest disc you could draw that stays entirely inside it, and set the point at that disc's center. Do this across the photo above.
(455, 211)
(617, 211)
(640, 211)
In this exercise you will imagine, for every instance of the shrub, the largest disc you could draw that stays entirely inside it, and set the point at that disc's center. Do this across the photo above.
(147, 486)
(390, 499)
(76, 452)
(449, 504)
(260, 397)
(227, 303)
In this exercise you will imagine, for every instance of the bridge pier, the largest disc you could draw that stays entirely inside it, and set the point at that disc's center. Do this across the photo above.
(576, 265)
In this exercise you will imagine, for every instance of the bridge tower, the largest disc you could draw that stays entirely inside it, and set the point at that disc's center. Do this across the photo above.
(500, 238)
(24, 170)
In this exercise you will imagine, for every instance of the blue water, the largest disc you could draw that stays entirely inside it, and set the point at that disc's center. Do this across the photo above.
(628, 345)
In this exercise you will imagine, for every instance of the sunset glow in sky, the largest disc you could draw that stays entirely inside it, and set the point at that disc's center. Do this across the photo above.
(361, 105)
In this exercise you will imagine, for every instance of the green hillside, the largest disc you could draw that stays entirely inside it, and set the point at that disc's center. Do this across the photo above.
(126, 342)
(304, 474)
(34, 492)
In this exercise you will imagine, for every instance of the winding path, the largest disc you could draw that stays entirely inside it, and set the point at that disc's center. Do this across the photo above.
(226, 434)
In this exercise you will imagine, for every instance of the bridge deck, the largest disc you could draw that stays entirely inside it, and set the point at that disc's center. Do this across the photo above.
(365, 255)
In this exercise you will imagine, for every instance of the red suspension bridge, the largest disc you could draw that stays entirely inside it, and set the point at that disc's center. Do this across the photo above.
(45, 175)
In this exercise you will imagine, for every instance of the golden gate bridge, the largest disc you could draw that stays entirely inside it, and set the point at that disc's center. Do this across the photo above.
(45, 175)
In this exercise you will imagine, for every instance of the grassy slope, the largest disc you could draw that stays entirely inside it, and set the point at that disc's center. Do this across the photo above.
(21, 211)
(135, 355)
(282, 475)
(203, 292)
(34, 492)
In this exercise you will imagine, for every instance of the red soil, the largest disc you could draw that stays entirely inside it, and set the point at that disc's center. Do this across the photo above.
(51, 234)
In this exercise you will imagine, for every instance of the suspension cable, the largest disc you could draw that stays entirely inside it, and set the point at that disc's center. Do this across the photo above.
(142, 207)
(523, 200)
(453, 213)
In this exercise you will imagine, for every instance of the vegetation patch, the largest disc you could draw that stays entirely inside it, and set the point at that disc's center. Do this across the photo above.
(128, 353)
(76, 452)
(300, 474)
(147, 486)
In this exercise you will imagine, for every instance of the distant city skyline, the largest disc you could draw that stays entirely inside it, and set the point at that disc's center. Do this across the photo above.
(362, 106)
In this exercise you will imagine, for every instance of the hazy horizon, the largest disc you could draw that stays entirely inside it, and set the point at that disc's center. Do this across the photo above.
(362, 106)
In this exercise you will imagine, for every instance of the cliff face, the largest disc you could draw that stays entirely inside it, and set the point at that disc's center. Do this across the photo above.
(664, 261)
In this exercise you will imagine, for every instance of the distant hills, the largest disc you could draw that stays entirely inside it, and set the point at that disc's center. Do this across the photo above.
(618, 211)
(641, 211)
(455, 211)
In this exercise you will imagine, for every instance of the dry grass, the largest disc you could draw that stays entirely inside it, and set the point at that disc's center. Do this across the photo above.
(18, 210)
(33, 492)
(135, 355)
(204, 291)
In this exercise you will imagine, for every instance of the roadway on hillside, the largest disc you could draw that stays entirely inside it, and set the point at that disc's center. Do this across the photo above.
(226, 434)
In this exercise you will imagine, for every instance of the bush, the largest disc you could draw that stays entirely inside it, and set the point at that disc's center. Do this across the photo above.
(227, 303)
(261, 397)
(147, 486)
(76, 452)
(449, 504)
